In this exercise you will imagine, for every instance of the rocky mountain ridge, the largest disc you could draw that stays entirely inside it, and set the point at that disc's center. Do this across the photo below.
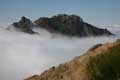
(70, 25)
(24, 25)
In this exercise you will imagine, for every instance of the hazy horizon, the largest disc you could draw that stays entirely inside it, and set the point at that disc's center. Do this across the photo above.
(96, 12)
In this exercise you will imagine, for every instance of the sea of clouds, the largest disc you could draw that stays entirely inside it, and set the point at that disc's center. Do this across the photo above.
(23, 55)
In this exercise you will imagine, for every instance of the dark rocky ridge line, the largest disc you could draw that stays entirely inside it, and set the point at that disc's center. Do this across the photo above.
(70, 25)
(24, 25)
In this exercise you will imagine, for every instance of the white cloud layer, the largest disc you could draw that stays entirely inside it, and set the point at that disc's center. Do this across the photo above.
(22, 55)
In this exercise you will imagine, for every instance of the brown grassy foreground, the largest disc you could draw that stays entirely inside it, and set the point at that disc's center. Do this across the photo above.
(101, 62)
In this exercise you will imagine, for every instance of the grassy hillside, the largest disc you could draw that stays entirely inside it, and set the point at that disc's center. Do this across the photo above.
(106, 66)
(101, 62)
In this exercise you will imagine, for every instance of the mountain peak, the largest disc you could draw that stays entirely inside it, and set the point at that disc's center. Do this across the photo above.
(25, 19)
(70, 18)
(24, 25)
(69, 25)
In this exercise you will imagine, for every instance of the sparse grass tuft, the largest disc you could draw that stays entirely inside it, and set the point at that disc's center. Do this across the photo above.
(105, 66)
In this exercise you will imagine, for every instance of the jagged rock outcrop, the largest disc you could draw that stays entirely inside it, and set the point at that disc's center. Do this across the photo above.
(24, 25)
(71, 25)
(102, 62)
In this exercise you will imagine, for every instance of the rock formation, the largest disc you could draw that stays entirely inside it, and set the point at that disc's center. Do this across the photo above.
(71, 25)
(102, 62)
(24, 25)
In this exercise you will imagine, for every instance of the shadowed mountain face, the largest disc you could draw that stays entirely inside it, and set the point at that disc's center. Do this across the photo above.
(101, 62)
(70, 25)
(25, 25)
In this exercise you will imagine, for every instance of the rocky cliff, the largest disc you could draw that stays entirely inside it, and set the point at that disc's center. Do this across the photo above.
(101, 62)
(24, 25)
(70, 25)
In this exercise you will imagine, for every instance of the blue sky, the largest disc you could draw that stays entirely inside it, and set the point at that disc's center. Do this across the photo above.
(98, 12)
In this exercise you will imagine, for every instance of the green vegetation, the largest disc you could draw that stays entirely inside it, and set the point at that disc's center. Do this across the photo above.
(105, 66)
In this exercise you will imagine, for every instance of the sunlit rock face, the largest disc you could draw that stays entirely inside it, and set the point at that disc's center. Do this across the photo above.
(70, 25)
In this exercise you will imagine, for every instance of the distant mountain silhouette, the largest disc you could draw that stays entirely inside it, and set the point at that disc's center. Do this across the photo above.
(70, 25)
(25, 25)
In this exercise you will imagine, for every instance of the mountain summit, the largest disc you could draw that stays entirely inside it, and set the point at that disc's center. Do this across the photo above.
(24, 25)
(70, 25)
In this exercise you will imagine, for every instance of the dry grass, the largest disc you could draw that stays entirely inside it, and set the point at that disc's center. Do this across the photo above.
(87, 66)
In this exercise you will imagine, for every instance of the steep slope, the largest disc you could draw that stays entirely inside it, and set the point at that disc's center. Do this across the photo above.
(71, 25)
(100, 62)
